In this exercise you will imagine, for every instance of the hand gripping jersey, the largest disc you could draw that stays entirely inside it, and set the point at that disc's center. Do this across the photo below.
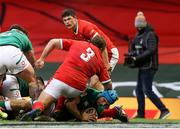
(83, 61)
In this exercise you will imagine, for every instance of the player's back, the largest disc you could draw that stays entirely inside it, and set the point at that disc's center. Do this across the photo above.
(83, 61)
(15, 38)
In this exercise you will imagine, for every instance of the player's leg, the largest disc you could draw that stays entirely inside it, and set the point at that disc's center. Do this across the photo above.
(20, 104)
(55, 88)
(18, 64)
(43, 102)
(28, 75)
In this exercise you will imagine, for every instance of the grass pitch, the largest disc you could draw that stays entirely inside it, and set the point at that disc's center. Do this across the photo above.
(133, 123)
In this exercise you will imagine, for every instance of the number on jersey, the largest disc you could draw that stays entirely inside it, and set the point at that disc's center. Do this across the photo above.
(88, 55)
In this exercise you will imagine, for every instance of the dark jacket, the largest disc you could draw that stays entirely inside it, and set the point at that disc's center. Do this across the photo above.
(145, 47)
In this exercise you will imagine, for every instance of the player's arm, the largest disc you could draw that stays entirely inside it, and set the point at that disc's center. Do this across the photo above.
(51, 45)
(101, 44)
(30, 56)
(104, 77)
(72, 107)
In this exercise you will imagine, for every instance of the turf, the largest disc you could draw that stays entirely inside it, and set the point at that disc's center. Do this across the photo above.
(154, 121)
(134, 123)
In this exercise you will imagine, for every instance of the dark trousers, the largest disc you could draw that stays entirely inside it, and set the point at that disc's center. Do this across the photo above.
(144, 86)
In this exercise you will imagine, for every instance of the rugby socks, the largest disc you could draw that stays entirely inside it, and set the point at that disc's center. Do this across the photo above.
(6, 105)
(60, 103)
(109, 113)
(38, 105)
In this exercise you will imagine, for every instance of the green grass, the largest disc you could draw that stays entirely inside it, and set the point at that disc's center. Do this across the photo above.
(154, 121)
(133, 121)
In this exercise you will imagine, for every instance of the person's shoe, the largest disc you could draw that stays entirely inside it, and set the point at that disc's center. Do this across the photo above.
(20, 114)
(122, 116)
(29, 116)
(164, 114)
(137, 117)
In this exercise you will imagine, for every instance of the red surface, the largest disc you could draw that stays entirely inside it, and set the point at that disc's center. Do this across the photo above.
(116, 19)
(150, 114)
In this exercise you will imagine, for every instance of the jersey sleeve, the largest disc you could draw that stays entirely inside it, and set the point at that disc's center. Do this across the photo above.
(65, 44)
(28, 44)
(90, 31)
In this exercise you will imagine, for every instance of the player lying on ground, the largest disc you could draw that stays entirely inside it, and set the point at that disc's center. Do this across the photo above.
(91, 102)
(15, 94)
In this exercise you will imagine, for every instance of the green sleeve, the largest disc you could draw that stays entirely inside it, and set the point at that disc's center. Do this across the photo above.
(24, 87)
(100, 109)
(28, 44)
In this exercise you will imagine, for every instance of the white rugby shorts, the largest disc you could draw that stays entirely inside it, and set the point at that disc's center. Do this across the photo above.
(12, 60)
(11, 88)
(57, 88)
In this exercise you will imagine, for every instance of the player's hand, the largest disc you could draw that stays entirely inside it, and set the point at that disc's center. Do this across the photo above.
(89, 115)
(39, 64)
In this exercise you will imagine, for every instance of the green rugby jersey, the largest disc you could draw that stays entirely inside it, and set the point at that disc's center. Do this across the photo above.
(24, 87)
(15, 38)
(89, 99)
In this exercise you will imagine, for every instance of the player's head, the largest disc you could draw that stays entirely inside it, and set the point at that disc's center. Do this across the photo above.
(107, 97)
(140, 21)
(69, 18)
(18, 27)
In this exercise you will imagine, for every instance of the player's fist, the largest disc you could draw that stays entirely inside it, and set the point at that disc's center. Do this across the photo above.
(39, 64)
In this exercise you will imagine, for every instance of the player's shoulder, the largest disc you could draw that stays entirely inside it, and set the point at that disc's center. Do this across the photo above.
(85, 23)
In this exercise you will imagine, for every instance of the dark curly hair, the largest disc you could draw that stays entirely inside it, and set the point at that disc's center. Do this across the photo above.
(68, 12)
(18, 27)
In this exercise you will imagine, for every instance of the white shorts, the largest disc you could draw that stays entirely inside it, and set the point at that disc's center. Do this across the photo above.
(114, 58)
(56, 88)
(11, 88)
(12, 60)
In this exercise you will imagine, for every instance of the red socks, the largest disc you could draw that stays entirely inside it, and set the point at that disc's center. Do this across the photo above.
(109, 113)
(38, 105)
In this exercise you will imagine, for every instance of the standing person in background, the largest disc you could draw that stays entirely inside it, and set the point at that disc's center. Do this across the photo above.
(82, 62)
(144, 56)
(17, 56)
(84, 30)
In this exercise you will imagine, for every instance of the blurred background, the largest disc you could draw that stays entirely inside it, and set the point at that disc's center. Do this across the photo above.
(42, 18)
